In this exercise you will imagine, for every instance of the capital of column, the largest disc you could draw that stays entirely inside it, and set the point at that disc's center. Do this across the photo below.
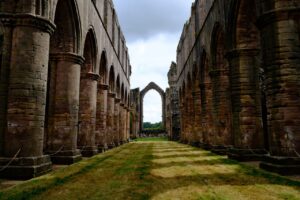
(91, 76)
(112, 95)
(103, 86)
(276, 15)
(28, 20)
(235, 53)
(71, 57)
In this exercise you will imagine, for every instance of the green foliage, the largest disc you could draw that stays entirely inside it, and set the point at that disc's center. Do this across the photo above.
(150, 126)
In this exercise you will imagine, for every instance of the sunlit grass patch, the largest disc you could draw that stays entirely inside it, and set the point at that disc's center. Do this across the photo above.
(156, 170)
(151, 139)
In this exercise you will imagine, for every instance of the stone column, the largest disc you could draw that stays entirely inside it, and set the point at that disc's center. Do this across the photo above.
(182, 116)
(110, 119)
(128, 124)
(125, 123)
(101, 132)
(121, 121)
(279, 24)
(63, 108)
(207, 119)
(246, 106)
(87, 114)
(190, 117)
(6, 30)
(26, 98)
(197, 115)
(117, 138)
(221, 111)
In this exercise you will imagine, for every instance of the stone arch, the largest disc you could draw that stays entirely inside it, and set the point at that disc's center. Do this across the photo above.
(103, 68)
(118, 87)
(111, 79)
(152, 86)
(122, 93)
(88, 97)
(66, 37)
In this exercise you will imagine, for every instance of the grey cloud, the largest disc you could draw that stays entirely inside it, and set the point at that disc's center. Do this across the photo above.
(141, 19)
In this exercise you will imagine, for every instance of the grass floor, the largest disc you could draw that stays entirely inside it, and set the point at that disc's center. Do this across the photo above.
(156, 170)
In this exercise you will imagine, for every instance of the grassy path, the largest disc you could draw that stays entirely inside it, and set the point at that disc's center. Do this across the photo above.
(156, 170)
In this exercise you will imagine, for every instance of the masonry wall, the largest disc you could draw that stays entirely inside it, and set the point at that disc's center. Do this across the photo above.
(59, 60)
(236, 77)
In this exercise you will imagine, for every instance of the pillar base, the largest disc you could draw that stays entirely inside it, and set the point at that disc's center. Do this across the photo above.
(111, 145)
(195, 144)
(247, 154)
(117, 144)
(89, 151)
(207, 147)
(66, 157)
(25, 168)
(102, 148)
(281, 165)
(220, 149)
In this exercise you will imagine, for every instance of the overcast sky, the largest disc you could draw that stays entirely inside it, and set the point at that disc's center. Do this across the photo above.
(152, 29)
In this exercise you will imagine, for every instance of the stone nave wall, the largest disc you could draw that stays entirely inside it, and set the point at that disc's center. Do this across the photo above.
(64, 83)
(238, 78)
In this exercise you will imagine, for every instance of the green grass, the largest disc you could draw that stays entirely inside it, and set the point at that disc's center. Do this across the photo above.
(151, 139)
(153, 168)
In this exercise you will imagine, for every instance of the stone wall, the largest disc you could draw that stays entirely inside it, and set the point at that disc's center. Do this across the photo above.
(238, 80)
(62, 61)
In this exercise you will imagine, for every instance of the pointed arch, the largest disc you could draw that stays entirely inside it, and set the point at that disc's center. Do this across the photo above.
(111, 80)
(90, 52)
(66, 37)
(152, 86)
(103, 68)
(118, 87)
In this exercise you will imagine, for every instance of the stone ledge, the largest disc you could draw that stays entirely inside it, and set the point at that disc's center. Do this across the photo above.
(66, 157)
(247, 154)
(282, 169)
(25, 168)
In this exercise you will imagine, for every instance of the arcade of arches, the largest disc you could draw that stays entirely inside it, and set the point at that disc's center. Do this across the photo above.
(235, 86)
(64, 83)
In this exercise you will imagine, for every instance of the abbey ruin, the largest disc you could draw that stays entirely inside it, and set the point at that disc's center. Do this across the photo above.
(235, 86)
(65, 83)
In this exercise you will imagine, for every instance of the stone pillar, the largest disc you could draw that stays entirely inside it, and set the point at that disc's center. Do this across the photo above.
(117, 138)
(26, 98)
(279, 24)
(182, 132)
(125, 123)
(190, 117)
(63, 108)
(128, 125)
(101, 132)
(122, 123)
(197, 115)
(87, 114)
(110, 119)
(246, 106)
(6, 30)
(207, 119)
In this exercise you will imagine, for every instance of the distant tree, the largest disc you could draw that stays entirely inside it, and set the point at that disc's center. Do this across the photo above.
(152, 126)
